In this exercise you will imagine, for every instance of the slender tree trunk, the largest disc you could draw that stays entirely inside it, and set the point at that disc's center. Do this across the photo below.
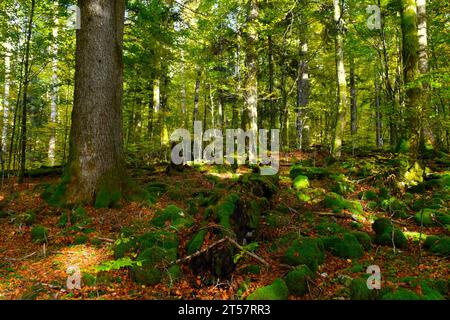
(410, 49)
(150, 110)
(378, 115)
(302, 84)
(196, 96)
(273, 112)
(23, 134)
(8, 49)
(96, 161)
(54, 93)
(353, 101)
(250, 116)
(341, 83)
(426, 135)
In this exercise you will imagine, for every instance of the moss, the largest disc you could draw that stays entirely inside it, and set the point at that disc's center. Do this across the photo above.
(107, 197)
(386, 233)
(440, 246)
(401, 294)
(81, 239)
(276, 291)
(360, 291)
(369, 195)
(196, 242)
(39, 234)
(88, 279)
(303, 197)
(310, 172)
(403, 147)
(78, 216)
(395, 207)
(337, 203)
(372, 205)
(296, 280)
(260, 186)
(301, 182)
(161, 238)
(277, 219)
(149, 272)
(55, 195)
(425, 216)
(346, 246)
(225, 209)
(173, 274)
(383, 193)
(363, 238)
(253, 214)
(173, 216)
(308, 251)
(342, 185)
(124, 246)
(329, 228)
(252, 269)
(28, 218)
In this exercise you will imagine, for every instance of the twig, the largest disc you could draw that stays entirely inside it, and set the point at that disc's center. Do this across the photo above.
(105, 239)
(21, 259)
(251, 254)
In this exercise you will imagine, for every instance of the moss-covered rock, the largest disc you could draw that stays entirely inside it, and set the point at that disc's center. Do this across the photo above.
(386, 234)
(330, 228)
(173, 274)
(346, 246)
(337, 203)
(296, 280)
(276, 291)
(196, 242)
(39, 234)
(438, 245)
(173, 216)
(342, 185)
(307, 251)
(300, 182)
(369, 195)
(395, 207)
(107, 196)
(310, 172)
(425, 216)
(80, 239)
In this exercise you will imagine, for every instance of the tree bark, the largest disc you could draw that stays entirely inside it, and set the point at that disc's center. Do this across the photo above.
(96, 141)
(341, 83)
(26, 80)
(54, 93)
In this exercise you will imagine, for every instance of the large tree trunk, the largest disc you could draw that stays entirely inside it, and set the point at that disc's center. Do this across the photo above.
(341, 83)
(96, 139)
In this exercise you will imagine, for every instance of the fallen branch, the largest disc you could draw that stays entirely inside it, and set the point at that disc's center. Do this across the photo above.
(21, 259)
(336, 215)
(251, 254)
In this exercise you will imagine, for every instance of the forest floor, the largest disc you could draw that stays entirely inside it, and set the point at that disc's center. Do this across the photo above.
(31, 269)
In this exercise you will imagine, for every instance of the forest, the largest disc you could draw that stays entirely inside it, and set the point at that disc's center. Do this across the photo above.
(224, 150)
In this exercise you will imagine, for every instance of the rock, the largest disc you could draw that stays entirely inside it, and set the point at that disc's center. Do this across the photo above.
(174, 216)
(401, 294)
(386, 233)
(360, 291)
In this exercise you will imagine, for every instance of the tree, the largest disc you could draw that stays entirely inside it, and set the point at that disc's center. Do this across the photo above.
(96, 147)
(341, 82)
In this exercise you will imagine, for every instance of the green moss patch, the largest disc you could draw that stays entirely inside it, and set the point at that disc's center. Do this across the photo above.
(301, 182)
(387, 234)
(278, 290)
(346, 246)
(307, 251)
(196, 242)
(173, 217)
(296, 280)
(39, 234)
